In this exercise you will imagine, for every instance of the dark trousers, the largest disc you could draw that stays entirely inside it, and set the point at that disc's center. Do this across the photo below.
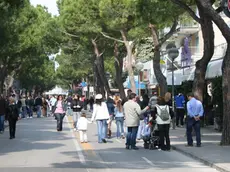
(192, 123)
(30, 111)
(131, 136)
(164, 135)
(59, 118)
(180, 116)
(12, 126)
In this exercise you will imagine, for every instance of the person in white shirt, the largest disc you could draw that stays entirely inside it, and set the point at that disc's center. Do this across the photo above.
(53, 100)
(101, 115)
(82, 126)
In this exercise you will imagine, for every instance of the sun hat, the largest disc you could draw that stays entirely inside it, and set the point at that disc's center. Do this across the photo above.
(98, 96)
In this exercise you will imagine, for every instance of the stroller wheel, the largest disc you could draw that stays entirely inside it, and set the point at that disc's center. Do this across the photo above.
(146, 145)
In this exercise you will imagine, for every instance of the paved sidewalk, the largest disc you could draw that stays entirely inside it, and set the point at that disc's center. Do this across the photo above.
(211, 153)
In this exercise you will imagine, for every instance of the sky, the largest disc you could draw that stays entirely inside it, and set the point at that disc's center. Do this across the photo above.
(50, 4)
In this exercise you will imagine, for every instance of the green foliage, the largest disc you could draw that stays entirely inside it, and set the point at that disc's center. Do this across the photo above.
(144, 50)
(158, 12)
(27, 39)
(41, 76)
(74, 65)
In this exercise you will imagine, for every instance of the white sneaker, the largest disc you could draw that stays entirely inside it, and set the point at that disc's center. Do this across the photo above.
(28, 117)
(31, 117)
(74, 129)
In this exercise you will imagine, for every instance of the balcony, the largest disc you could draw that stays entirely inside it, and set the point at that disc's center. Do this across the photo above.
(188, 28)
(197, 53)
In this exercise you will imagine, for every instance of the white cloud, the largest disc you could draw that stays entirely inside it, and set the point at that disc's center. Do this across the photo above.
(50, 4)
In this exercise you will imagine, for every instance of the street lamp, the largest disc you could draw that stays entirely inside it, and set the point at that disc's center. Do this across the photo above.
(139, 66)
(108, 77)
(172, 54)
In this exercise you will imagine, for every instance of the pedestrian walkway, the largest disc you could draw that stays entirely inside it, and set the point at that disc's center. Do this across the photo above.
(39, 147)
(211, 153)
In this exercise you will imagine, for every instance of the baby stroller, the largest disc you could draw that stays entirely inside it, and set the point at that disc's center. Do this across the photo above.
(153, 141)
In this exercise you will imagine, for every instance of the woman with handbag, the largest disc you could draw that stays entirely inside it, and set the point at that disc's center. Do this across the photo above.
(13, 115)
(59, 112)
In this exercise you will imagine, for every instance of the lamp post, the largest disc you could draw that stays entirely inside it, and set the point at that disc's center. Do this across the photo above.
(172, 54)
(108, 76)
(139, 66)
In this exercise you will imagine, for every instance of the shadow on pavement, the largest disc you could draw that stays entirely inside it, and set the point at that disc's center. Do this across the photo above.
(33, 134)
(120, 158)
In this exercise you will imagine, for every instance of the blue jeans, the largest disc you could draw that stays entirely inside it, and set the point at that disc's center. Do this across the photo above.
(30, 111)
(192, 123)
(131, 136)
(24, 112)
(101, 129)
(2, 119)
(120, 126)
(91, 107)
(59, 118)
(140, 128)
(39, 112)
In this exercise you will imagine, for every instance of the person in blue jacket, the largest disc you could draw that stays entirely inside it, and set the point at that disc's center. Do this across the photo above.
(180, 109)
(111, 106)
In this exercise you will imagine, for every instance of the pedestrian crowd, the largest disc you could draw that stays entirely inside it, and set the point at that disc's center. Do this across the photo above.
(136, 118)
(147, 118)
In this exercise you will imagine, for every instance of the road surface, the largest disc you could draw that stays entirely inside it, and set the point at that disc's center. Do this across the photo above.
(38, 147)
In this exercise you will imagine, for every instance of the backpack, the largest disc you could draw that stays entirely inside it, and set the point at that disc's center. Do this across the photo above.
(163, 114)
(13, 112)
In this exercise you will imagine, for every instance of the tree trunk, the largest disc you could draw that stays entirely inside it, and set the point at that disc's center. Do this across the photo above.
(161, 79)
(129, 48)
(99, 62)
(201, 65)
(99, 85)
(101, 72)
(118, 66)
(226, 98)
(3, 75)
(225, 30)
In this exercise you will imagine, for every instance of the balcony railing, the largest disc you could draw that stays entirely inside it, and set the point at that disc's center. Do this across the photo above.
(197, 53)
(188, 25)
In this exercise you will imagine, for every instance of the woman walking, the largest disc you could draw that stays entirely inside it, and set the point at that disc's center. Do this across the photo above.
(168, 101)
(13, 115)
(110, 106)
(59, 112)
(44, 107)
(101, 115)
(77, 106)
(119, 116)
(163, 118)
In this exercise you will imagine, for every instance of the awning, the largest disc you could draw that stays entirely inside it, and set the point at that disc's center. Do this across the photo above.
(187, 74)
(57, 91)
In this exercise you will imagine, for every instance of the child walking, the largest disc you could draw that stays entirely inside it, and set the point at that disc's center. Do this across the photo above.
(119, 116)
(82, 126)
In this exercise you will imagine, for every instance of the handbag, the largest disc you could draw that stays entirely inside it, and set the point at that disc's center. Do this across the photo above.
(141, 116)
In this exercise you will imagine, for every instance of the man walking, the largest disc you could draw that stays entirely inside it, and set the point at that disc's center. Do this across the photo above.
(38, 104)
(180, 111)
(132, 112)
(195, 112)
(53, 100)
(2, 113)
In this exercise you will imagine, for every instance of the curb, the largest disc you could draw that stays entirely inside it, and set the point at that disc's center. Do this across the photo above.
(210, 164)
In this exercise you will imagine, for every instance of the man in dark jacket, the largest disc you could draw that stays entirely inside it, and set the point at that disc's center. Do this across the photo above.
(2, 113)
(110, 105)
(77, 106)
(30, 105)
(38, 104)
